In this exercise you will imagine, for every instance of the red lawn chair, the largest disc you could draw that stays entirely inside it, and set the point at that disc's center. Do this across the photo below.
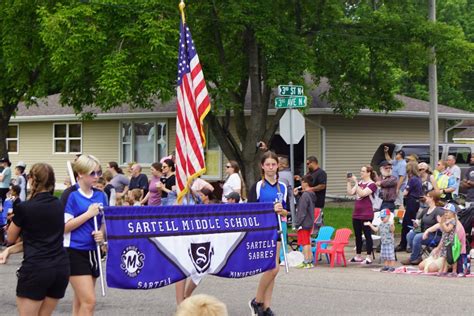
(341, 239)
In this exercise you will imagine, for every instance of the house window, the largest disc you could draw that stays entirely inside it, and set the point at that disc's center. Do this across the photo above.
(12, 139)
(213, 156)
(143, 142)
(67, 138)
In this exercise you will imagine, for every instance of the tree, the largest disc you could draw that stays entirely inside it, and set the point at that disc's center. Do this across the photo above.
(120, 51)
(24, 61)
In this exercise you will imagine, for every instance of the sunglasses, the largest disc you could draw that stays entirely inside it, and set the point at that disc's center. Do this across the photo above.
(96, 173)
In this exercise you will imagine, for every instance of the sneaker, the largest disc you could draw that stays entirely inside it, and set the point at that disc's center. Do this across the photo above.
(256, 308)
(367, 261)
(356, 259)
(384, 269)
(461, 275)
(268, 312)
(282, 263)
(391, 269)
(301, 265)
(308, 266)
(408, 250)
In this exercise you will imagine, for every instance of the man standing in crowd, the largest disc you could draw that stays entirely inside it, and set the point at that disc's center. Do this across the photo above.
(388, 186)
(318, 186)
(139, 180)
(399, 171)
(453, 171)
(468, 183)
(446, 184)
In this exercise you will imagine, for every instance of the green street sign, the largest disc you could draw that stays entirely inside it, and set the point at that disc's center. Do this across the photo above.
(290, 102)
(290, 90)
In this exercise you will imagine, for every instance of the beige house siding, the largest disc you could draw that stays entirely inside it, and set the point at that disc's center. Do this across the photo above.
(36, 145)
(346, 152)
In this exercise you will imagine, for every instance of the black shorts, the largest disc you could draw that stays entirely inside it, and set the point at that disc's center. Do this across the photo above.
(36, 284)
(83, 262)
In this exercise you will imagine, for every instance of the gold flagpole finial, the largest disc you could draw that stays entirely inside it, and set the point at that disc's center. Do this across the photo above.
(181, 8)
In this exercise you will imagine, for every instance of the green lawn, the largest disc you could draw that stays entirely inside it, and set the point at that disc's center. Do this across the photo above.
(341, 217)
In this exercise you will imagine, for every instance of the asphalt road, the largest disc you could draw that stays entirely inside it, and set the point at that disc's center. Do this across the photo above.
(355, 290)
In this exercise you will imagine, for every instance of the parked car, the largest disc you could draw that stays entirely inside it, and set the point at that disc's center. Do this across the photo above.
(462, 152)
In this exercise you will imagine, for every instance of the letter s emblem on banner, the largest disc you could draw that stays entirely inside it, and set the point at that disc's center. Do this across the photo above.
(200, 255)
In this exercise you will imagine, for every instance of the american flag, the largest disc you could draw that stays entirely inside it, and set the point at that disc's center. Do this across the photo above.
(193, 105)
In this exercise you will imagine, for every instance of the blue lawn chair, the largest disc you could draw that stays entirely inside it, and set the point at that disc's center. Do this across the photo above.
(325, 233)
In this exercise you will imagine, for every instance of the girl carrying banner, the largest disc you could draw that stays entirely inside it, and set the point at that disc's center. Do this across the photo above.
(269, 189)
(82, 203)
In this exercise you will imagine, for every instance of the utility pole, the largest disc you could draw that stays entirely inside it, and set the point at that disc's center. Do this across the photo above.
(433, 88)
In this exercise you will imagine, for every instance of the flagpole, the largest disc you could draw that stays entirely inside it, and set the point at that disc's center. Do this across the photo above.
(181, 9)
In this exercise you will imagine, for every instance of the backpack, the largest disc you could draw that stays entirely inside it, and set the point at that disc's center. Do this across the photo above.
(466, 217)
(453, 250)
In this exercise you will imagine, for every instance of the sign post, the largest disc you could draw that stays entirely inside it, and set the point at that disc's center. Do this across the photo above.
(291, 97)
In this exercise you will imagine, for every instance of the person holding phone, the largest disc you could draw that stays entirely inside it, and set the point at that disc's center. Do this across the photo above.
(363, 210)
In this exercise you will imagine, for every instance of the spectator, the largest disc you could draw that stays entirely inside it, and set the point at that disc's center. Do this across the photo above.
(21, 179)
(109, 189)
(445, 183)
(448, 227)
(205, 196)
(304, 221)
(134, 197)
(234, 182)
(168, 183)
(201, 305)
(388, 186)
(233, 197)
(428, 181)
(100, 185)
(363, 210)
(284, 175)
(153, 197)
(453, 171)
(387, 240)
(67, 183)
(5, 178)
(412, 193)
(44, 272)
(420, 235)
(138, 180)
(199, 184)
(399, 171)
(468, 182)
(119, 180)
(318, 186)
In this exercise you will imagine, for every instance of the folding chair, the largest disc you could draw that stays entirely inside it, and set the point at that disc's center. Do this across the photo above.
(336, 251)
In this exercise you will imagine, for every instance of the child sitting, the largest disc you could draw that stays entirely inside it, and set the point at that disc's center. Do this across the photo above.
(387, 240)
(447, 225)
(304, 221)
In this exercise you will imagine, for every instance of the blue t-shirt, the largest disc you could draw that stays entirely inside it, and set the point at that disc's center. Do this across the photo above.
(400, 169)
(266, 192)
(77, 204)
(7, 178)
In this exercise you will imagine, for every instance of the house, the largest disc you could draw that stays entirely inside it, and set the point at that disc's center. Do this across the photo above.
(464, 132)
(52, 133)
